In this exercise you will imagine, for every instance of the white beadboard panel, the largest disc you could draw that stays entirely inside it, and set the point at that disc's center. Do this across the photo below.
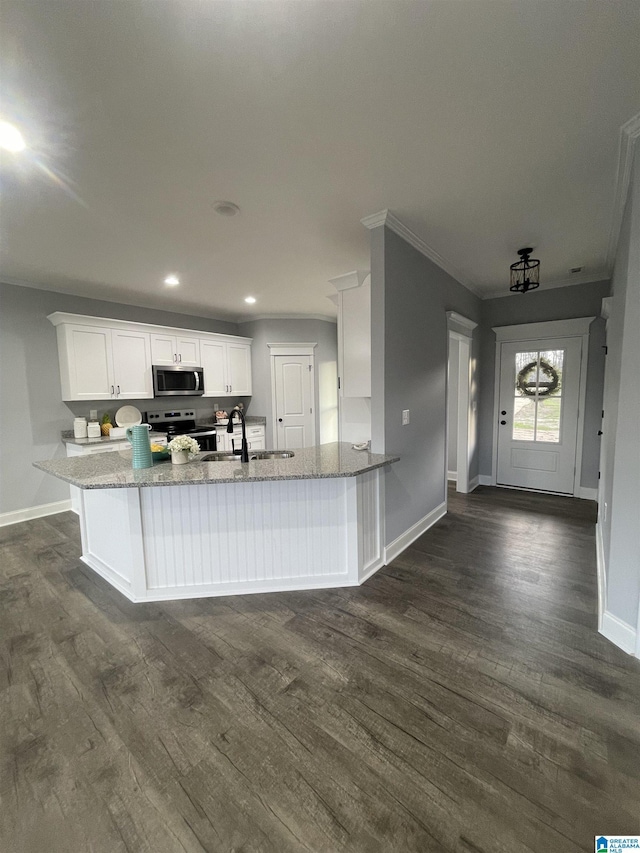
(108, 537)
(369, 540)
(245, 535)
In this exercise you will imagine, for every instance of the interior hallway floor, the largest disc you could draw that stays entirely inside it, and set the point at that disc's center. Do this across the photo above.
(461, 700)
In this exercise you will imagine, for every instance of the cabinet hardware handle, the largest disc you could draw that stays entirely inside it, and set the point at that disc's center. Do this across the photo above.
(175, 357)
(118, 390)
(112, 391)
(180, 357)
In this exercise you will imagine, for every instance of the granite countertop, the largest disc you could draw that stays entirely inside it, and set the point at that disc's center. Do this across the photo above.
(114, 471)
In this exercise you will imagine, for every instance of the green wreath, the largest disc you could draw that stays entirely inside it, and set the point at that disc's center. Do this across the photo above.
(543, 389)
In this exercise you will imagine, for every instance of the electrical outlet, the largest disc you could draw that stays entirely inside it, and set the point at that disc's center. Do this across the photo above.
(93, 414)
(405, 417)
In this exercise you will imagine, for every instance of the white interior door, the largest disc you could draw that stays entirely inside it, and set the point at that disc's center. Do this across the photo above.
(538, 414)
(294, 417)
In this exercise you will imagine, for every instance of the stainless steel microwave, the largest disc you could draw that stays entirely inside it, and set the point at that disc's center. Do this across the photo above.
(176, 380)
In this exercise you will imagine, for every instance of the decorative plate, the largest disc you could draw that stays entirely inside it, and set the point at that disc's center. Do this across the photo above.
(128, 416)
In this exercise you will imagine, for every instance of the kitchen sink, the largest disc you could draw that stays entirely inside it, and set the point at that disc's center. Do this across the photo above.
(272, 454)
(227, 456)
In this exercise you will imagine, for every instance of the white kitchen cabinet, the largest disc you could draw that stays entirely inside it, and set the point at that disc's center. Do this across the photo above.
(104, 364)
(227, 368)
(255, 438)
(105, 359)
(354, 355)
(175, 349)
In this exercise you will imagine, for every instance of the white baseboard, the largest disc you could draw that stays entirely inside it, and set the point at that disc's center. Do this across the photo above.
(395, 548)
(601, 567)
(452, 476)
(473, 484)
(587, 494)
(485, 480)
(619, 633)
(40, 511)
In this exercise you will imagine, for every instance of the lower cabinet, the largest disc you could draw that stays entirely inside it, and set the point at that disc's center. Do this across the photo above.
(255, 438)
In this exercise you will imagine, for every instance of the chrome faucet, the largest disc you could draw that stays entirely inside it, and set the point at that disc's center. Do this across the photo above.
(244, 452)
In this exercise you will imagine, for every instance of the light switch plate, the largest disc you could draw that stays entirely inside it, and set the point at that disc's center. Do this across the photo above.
(405, 417)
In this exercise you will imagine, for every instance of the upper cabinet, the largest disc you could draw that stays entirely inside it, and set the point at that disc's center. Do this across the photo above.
(175, 349)
(103, 364)
(227, 368)
(354, 333)
(103, 359)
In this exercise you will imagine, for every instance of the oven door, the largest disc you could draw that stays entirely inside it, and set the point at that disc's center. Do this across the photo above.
(177, 381)
(206, 439)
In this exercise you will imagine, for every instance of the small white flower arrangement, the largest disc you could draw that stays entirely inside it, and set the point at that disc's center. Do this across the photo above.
(184, 442)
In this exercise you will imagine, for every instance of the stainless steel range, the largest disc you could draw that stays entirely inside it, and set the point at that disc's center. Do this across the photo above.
(174, 422)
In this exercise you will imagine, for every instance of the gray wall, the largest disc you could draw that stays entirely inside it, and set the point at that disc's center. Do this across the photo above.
(619, 523)
(32, 413)
(410, 296)
(272, 331)
(561, 303)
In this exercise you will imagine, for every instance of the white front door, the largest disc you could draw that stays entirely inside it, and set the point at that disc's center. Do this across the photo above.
(538, 414)
(294, 417)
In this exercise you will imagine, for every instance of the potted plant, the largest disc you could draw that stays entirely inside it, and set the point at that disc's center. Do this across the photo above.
(183, 448)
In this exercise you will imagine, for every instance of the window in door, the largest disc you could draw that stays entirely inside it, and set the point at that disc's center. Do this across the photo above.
(537, 411)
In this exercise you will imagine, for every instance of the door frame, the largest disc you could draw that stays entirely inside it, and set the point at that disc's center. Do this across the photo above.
(577, 327)
(277, 349)
(460, 329)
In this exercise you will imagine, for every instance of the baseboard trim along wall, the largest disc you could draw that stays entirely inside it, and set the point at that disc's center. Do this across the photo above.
(587, 494)
(485, 480)
(473, 484)
(31, 512)
(602, 576)
(395, 548)
(452, 476)
(619, 633)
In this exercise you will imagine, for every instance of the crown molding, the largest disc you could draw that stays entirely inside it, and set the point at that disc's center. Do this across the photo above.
(323, 317)
(585, 278)
(349, 280)
(629, 132)
(386, 217)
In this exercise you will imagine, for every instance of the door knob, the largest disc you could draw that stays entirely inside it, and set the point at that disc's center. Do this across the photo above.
(279, 420)
(503, 422)
(599, 432)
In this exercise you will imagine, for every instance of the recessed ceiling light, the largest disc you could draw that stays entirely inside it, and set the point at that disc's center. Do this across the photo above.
(250, 299)
(226, 208)
(10, 138)
(172, 281)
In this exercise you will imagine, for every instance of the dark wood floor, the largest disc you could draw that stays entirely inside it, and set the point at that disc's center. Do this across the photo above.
(461, 700)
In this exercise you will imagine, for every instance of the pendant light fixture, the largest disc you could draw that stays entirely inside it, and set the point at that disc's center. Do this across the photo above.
(525, 273)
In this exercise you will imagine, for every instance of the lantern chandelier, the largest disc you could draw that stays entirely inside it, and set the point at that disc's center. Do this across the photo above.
(525, 273)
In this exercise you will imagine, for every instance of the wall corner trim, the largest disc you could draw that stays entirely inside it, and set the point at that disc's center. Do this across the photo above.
(473, 484)
(402, 542)
(619, 633)
(31, 512)
(386, 217)
(629, 132)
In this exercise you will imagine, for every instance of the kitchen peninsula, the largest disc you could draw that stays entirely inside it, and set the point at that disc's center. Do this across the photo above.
(227, 528)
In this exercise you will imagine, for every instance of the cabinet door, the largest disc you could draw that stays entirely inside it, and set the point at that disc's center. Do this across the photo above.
(212, 355)
(132, 365)
(256, 444)
(86, 365)
(355, 307)
(188, 350)
(163, 349)
(239, 369)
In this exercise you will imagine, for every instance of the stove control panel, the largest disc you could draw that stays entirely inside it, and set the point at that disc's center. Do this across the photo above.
(173, 415)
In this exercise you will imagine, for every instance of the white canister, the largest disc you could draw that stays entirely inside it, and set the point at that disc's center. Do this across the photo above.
(79, 427)
(93, 429)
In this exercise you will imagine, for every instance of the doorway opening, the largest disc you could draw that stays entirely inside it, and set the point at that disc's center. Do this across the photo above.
(461, 425)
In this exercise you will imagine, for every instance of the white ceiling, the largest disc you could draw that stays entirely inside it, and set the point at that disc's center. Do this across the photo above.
(483, 126)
